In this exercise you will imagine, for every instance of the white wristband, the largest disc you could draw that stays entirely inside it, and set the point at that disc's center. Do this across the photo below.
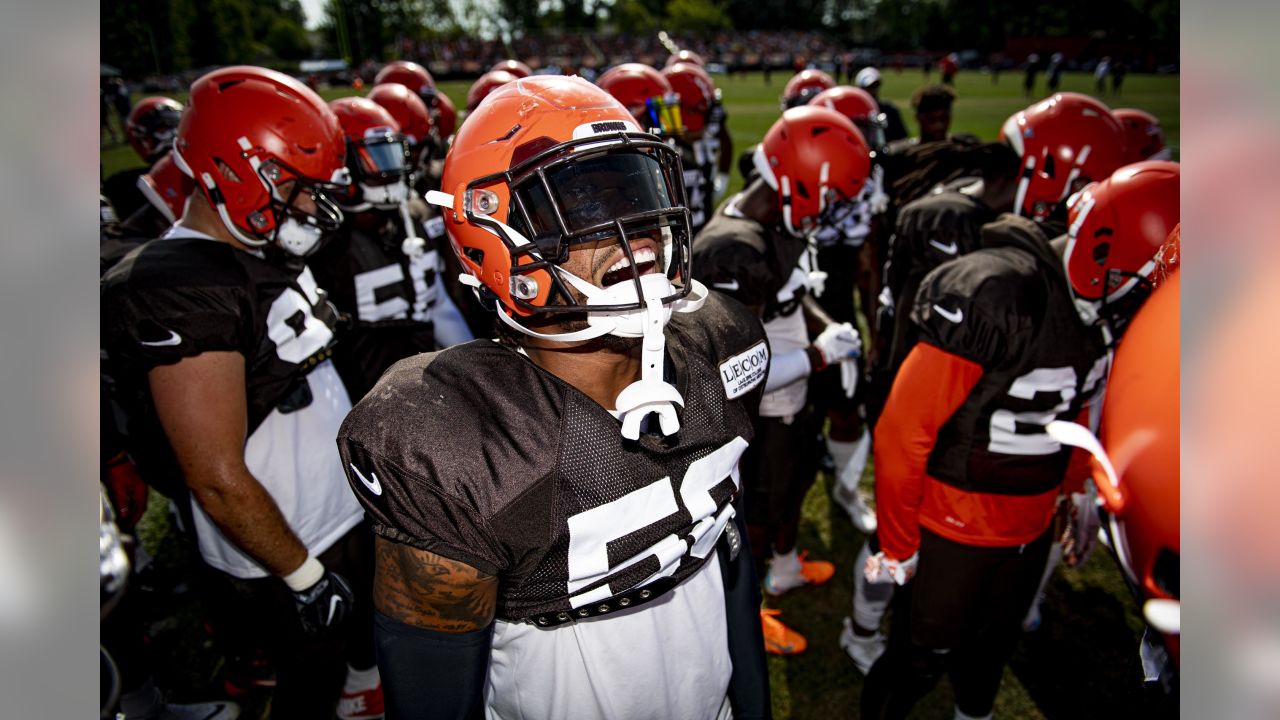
(307, 574)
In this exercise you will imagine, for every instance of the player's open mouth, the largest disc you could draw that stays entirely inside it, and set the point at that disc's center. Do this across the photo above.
(646, 262)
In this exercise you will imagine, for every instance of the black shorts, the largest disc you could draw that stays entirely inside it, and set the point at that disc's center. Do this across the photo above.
(778, 468)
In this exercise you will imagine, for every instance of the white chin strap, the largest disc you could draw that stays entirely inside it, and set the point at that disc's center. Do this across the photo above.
(385, 197)
(651, 394)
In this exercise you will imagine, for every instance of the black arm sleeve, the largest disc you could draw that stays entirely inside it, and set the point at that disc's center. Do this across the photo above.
(749, 685)
(430, 674)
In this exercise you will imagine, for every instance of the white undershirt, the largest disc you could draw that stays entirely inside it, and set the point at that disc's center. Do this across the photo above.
(667, 659)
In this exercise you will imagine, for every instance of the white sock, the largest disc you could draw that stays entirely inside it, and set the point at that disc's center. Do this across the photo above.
(788, 564)
(870, 600)
(362, 679)
(841, 451)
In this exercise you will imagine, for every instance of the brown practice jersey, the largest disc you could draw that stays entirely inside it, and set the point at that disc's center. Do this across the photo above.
(478, 455)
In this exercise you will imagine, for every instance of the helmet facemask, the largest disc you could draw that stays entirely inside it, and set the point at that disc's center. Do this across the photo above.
(620, 187)
(280, 222)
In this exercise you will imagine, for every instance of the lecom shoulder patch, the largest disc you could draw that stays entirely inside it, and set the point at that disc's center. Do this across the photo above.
(744, 371)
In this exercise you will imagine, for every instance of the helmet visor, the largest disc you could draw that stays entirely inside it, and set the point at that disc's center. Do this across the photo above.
(583, 199)
(379, 159)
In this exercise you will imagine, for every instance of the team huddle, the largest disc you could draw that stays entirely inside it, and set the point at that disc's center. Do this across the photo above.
(579, 392)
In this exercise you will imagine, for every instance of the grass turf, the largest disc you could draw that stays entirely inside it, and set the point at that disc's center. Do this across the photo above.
(1082, 662)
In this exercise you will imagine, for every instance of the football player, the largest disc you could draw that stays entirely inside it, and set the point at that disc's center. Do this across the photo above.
(385, 269)
(868, 79)
(1137, 474)
(930, 231)
(716, 136)
(417, 127)
(757, 248)
(655, 104)
(555, 518)
(1012, 336)
(222, 341)
(698, 143)
(149, 128)
(851, 267)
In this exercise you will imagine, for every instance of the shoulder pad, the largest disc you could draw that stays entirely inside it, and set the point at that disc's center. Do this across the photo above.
(982, 305)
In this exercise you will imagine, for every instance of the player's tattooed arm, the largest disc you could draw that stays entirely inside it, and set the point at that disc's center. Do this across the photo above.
(423, 589)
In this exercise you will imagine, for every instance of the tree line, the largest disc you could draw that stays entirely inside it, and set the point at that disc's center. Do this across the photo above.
(144, 37)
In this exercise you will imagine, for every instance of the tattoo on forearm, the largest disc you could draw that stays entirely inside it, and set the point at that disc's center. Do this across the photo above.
(420, 588)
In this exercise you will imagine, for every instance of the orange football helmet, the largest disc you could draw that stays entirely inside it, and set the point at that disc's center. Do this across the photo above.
(151, 126)
(857, 105)
(686, 56)
(1143, 135)
(1116, 230)
(515, 67)
(166, 187)
(1141, 436)
(804, 85)
(647, 95)
(376, 152)
(1065, 142)
(697, 93)
(816, 160)
(248, 131)
(486, 84)
(547, 162)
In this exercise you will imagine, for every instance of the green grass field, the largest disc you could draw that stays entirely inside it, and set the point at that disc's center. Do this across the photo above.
(1083, 662)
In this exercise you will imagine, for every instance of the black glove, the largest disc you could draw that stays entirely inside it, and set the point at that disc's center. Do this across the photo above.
(324, 606)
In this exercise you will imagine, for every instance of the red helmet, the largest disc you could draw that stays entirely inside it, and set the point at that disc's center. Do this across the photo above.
(647, 94)
(246, 132)
(857, 105)
(376, 153)
(409, 74)
(486, 84)
(1116, 232)
(1065, 141)
(166, 187)
(411, 115)
(574, 169)
(151, 126)
(804, 85)
(447, 117)
(686, 56)
(697, 93)
(1143, 135)
(1140, 434)
(515, 67)
(815, 159)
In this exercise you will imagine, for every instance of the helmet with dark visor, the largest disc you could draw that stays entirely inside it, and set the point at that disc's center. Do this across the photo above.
(620, 186)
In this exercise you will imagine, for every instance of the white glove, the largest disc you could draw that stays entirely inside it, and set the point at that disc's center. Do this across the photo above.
(839, 342)
(1083, 523)
(881, 569)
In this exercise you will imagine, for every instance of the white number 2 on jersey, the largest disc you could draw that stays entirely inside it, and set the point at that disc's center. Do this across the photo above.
(1004, 435)
(292, 324)
(592, 530)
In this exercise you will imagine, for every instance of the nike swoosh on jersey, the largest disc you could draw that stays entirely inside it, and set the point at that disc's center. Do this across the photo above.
(375, 487)
(731, 286)
(170, 341)
(954, 316)
(333, 606)
(951, 249)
